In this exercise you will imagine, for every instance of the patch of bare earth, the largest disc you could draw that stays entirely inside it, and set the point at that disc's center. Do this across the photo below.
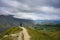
(25, 33)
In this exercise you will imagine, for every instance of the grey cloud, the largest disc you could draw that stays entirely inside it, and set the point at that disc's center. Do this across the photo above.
(31, 9)
(54, 3)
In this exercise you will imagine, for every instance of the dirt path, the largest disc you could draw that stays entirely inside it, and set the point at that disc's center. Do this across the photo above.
(25, 33)
(20, 36)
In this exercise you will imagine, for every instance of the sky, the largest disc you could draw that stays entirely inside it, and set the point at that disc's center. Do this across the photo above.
(31, 9)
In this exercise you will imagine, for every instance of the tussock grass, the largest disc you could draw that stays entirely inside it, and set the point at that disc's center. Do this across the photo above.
(54, 35)
(36, 35)
(12, 30)
(43, 35)
(7, 38)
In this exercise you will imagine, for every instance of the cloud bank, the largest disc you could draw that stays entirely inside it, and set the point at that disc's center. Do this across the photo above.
(31, 9)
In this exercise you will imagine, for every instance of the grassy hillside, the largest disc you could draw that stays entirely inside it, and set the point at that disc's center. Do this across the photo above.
(34, 33)
(54, 35)
(12, 30)
(43, 35)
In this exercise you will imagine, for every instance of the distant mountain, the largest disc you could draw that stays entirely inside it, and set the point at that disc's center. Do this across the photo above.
(48, 21)
(10, 21)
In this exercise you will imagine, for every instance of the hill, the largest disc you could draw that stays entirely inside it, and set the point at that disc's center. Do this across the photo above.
(33, 33)
(43, 35)
(9, 21)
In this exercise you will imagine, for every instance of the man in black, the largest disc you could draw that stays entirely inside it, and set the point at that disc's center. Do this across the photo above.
(21, 24)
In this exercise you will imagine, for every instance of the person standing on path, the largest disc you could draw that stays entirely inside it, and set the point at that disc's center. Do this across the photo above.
(21, 24)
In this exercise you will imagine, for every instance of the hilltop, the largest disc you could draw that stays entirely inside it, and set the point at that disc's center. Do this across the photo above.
(9, 21)
(21, 33)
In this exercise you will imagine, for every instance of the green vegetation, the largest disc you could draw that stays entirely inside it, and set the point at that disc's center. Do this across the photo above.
(10, 38)
(7, 38)
(48, 27)
(12, 30)
(36, 35)
(43, 35)
(54, 35)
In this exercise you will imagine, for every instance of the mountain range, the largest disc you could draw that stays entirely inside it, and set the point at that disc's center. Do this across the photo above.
(10, 21)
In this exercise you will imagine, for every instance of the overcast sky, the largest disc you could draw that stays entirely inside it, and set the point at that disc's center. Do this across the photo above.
(31, 9)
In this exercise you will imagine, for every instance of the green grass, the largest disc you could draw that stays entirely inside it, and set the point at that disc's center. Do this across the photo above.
(53, 32)
(36, 35)
(54, 35)
(12, 30)
(7, 38)
(10, 38)
(43, 35)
